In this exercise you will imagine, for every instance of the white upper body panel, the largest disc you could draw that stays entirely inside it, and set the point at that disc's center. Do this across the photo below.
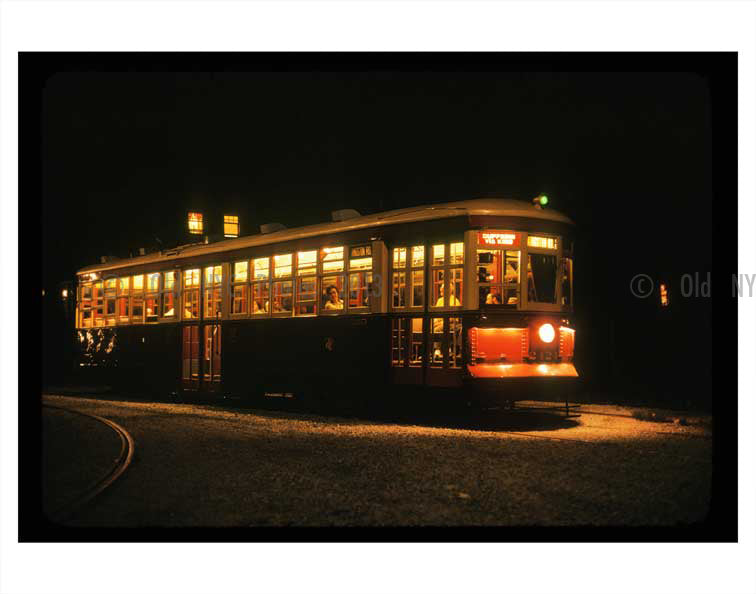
(481, 206)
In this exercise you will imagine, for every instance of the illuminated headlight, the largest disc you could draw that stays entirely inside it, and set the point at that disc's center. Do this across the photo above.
(546, 332)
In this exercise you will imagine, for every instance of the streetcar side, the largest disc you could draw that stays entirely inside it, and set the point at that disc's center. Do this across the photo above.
(472, 303)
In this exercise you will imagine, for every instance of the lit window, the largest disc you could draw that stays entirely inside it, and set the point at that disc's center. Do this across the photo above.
(332, 259)
(457, 253)
(230, 226)
(361, 258)
(436, 339)
(169, 298)
(400, 257)
(153, 282)
(306, 288)
(239, 304)
(282, 297)
(399, 289)
(152, 300)
(98, 309)
(446, 275)
(307, 262)
(498, 277)
(546, 243)
(137, 309)
(437, 288)
(240, 289)
(213, 275)
(260, 298)
(416, 343)
(122, 309)
(151, 306)
(192, 278)
(191, 294)
(110, 301)
(213, 278)
(123, 285)
(195, 223)
(408, 277)
(332, 298)
(664, 298)
(360, 284)
(282, 265)
(240, 271)
(262, 268)
(85, 306)
(136, 303)
(169, 280)
(191, 304)
(418, 256)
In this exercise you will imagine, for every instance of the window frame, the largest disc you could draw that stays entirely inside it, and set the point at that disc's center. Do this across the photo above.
(323, 275)
(214, 287)
(150, 294)
(359, 309)
(446, 268)
(300, 275)
(236, 284)
(409, 270)
(254, 282)
(526, 251)
(194, 289)
(165, 291)
(134, 295)
(281, 280)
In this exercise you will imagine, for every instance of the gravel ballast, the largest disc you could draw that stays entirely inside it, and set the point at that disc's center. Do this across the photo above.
(199, 465)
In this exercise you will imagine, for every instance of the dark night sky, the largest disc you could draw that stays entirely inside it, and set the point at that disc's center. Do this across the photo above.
(627, 155)
(126, 153)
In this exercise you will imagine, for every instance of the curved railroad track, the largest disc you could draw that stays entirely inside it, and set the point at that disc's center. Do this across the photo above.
(120, 464)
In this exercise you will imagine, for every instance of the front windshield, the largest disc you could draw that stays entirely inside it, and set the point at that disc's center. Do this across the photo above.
(542, 278)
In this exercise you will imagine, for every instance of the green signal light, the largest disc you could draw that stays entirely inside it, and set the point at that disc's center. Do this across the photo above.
(544, 199)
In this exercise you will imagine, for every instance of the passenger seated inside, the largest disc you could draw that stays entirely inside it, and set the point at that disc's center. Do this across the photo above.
(493, 299)
(453, 301)
(258, 308)
(333, 301)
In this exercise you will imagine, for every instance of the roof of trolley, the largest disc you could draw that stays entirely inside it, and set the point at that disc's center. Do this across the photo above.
(479, 207)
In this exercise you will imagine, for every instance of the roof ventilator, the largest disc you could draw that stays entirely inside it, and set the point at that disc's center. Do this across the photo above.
(337, 216)
(271, 228)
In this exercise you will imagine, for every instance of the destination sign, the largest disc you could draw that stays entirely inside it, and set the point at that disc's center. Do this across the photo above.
(499, 238)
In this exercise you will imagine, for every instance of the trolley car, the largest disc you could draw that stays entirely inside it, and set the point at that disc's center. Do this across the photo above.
(471, 297)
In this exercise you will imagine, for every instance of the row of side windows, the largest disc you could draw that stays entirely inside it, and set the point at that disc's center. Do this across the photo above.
(330, 281)
(444, 345)
(446, 270)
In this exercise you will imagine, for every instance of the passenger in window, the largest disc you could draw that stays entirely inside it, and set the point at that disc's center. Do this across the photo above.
(333, 301)
(510, 274)
(493, 299)
(453, 301)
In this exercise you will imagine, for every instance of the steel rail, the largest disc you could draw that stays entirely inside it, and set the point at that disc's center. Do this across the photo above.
(120, 464)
